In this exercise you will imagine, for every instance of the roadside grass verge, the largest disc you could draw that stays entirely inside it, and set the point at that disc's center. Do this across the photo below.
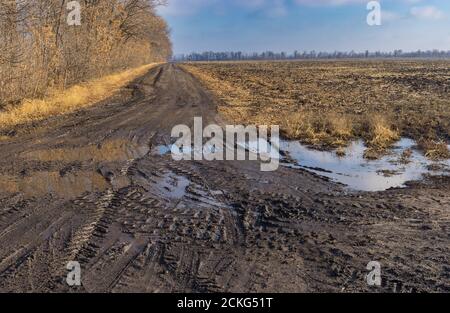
(68, 100)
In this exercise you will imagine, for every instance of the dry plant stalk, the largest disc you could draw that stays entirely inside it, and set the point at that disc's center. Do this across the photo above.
(329, 104)
(69, 100)
(39, 51)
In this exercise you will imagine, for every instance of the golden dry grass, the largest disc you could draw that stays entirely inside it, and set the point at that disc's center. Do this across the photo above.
(69, 100)
(39, 52)
(435, 150)
(329, 129)
(381, 133)
(329, 104)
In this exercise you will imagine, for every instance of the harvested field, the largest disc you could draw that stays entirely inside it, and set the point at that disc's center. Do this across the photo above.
(328, 104)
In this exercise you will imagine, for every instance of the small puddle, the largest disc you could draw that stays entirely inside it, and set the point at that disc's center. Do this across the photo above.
(69, 186)
(72, 184)
(167, 149)
(161, 150)
(358, 173)
(261, 148)
(170, 186)
(110, 151)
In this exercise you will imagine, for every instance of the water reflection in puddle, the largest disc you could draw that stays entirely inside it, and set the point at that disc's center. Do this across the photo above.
(72, 184)
(69, 186)
(173, 186)
(170, 186)
(259, 149)
(186, 151)
(161, 150)
(360, 174)
(115, 150)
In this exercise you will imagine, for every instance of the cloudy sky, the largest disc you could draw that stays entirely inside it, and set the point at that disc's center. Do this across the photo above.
(323, 25)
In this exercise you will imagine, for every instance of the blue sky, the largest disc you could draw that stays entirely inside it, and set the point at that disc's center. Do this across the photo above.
(322, 25)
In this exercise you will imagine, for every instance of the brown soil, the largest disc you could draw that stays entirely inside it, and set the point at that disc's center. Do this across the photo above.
(329, 103)
(86, 187)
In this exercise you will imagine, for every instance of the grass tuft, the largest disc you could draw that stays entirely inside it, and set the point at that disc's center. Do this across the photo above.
(330, 104)
(320, 130)
(434, 150)
(381, 134)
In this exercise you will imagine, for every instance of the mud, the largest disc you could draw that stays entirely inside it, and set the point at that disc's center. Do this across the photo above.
(96, 187)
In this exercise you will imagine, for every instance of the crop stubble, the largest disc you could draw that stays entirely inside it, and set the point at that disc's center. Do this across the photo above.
(329, 103)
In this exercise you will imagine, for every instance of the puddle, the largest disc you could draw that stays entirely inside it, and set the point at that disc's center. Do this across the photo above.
(171, 186)
(360, 174)
(161, 150)
(72, 184)
(261, 148)
(69, 186)
(189, 151)
(116, 150)
(174, 188)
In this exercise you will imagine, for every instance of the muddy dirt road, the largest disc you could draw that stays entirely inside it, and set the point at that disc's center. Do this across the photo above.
(91, 187)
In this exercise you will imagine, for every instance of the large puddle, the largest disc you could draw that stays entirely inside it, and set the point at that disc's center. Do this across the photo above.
(115, 150)
(404, 163)
(353, 170)
(68, 186)
(72, 184)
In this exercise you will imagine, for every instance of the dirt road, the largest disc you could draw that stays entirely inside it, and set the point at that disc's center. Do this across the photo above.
(91, 187)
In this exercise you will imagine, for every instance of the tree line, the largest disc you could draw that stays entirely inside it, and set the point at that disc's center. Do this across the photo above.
(40, 50)
(307, 55)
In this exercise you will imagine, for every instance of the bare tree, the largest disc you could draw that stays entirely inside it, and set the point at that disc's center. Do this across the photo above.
(39, 50)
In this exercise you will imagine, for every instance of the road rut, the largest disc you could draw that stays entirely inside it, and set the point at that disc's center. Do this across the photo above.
(89, 187)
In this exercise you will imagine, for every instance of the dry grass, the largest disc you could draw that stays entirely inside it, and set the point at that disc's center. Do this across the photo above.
(40, 51)
(380, 133)
(237, 101)
(69, 100)
(329, 104)
(435, 150)
(330, 129)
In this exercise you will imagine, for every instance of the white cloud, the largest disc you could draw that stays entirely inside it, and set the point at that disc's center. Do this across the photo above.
(412, 1)
(329, 2)
(389, 16)
(269, 7)
(427, 13)
(276, 8)
(345, 2)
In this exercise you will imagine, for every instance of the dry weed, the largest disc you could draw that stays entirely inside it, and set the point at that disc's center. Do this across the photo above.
(332, 103)
(69, 100)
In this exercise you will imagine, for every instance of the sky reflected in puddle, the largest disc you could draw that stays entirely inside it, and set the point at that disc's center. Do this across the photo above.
(259, 149)
(170, 186)
(110, 151)
(69, 186)
(175, 188)
(360, 174)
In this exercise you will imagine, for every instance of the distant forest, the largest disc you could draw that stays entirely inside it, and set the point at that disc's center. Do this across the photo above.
(296, 55)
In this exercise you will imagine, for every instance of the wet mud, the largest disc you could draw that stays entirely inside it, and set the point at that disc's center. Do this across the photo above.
(98, 187)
